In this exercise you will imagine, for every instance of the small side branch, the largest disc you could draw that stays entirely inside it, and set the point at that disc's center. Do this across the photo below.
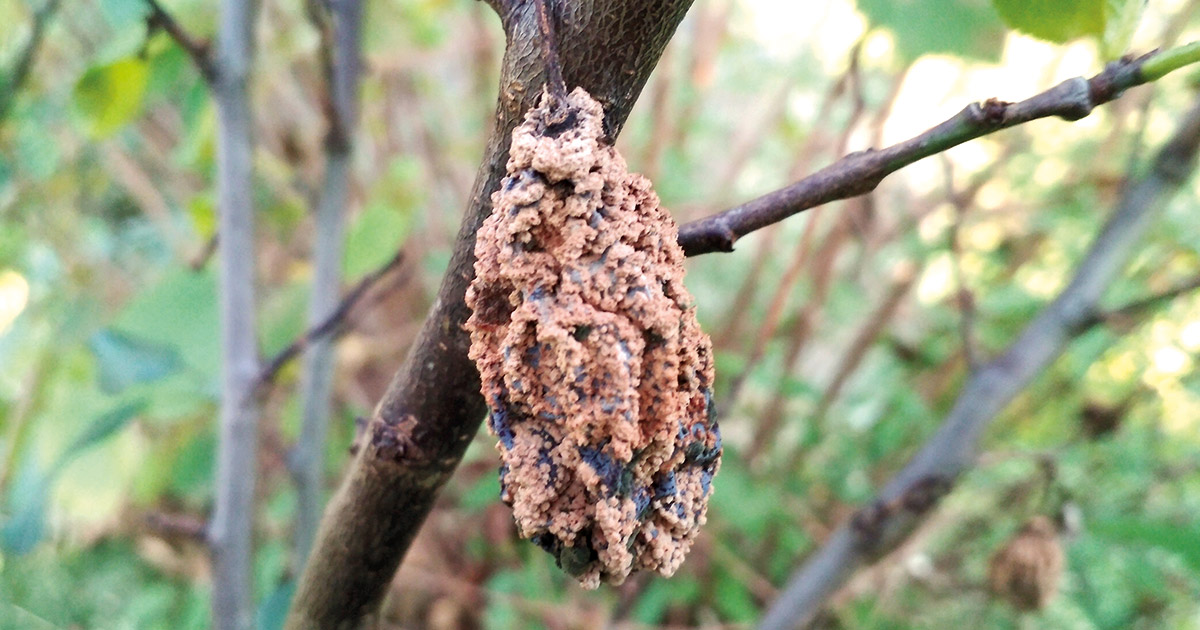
(882, 526)
(1136, 310)
(860, 173)
(328, 327)
(197, 49)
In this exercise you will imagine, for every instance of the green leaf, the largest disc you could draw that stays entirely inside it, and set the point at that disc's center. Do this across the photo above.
(28, 495)
(481, 494)
(179, 311)
(732, 599)
(101, 428)
(124, 13)
(26, 502)
(1171, 537)
(966, 28)
(1121, 21)
(274, 608)
(284, 316)
(1054, 20)
(374, 238)
(109, 96)
(660, 595)
(126, 360)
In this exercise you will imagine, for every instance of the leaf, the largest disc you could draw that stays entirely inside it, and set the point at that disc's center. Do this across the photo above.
(203, 215)
(374, 238)
(101, 428)
(660, 595)
(733, 600)
(1171, 537)
(1054, 20)
(1121, 21)
(966, 28)
(124, 13)
(26, 502)
(109, 96)
(180, 310)
(274, 608)
(283, 316)
(126, 360)
(29, 494)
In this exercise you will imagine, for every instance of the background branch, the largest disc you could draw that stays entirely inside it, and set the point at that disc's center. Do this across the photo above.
(861, 172)
(880, 527)
(328, 328)
(230, 531)
(341, 41)
(20, 72)
(197, 49)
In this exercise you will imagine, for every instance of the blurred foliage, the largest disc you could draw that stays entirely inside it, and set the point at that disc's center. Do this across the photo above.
(108, 319)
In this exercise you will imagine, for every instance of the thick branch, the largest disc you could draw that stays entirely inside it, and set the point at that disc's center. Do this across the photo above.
(433, 406)
(859, 173)
(880, 527)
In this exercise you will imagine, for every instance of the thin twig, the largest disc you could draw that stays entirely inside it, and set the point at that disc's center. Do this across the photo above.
(861, 172)
(330, 326)
(20, 71)
(881, 526)
(963, 295)
(198, 49)
(1139, 308)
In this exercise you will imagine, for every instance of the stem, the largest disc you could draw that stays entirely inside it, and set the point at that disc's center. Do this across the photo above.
(231, 526)
(859, 173)
(1169, 61)
(25, 59)
(316, 391)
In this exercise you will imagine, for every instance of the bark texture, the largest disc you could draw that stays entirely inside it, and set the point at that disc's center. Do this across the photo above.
(433, 406)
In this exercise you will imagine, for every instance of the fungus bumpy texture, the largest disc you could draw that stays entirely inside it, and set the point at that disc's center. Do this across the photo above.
(596, 373)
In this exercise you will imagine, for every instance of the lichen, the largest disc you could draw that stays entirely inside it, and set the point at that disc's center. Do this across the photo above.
(597, 375)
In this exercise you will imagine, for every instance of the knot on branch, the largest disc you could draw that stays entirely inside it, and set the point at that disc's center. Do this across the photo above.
(877, 524)
(595, 369)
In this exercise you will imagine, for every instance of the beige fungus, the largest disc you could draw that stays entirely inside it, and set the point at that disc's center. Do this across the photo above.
(597, 375)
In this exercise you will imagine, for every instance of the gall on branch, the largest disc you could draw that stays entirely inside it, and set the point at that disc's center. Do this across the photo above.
(595, 370)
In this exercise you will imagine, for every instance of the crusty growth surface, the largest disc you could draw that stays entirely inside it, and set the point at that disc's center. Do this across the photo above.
(597, 375)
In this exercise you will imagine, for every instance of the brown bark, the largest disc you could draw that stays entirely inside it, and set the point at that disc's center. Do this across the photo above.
(433, 406)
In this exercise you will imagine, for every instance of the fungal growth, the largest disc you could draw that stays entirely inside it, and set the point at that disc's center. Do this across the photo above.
(596, 373)
(1025, 572)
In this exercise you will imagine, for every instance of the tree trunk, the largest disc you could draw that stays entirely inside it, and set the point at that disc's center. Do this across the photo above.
(433, 406)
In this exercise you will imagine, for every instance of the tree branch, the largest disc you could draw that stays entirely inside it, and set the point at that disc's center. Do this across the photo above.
(433, 406)
(20, 71)
(880, 527)
(230, 531)
(1138, 308)
(331, 326)
(860, 173)
(197, 49)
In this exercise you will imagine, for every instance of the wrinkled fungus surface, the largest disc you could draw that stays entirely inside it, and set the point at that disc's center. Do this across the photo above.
(597, 375)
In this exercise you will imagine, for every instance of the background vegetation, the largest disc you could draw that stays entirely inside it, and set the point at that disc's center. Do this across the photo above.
(840, 333)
